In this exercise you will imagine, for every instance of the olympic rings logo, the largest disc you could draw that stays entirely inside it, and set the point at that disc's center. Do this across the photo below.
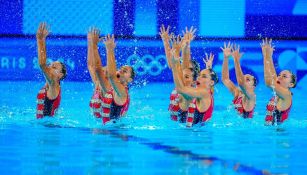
(147, 64)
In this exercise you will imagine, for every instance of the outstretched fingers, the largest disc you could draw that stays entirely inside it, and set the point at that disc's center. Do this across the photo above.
(211, 57)
(228, 45)
(43, 30)
(167, 30)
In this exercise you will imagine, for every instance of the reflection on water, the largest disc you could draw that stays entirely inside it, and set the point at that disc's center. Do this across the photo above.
(146, 141)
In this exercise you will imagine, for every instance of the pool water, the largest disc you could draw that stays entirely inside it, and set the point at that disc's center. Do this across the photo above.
(146, 141)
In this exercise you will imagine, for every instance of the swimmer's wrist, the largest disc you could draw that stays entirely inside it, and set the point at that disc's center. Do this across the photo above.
(110, 49)
(41, 38)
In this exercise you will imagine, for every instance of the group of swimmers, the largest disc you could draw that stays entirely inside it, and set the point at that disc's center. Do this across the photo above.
(191, 101)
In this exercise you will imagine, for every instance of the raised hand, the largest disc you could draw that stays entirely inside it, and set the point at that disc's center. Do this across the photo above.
(184, 45)
(227, 49)
(42, 31)
(109, 42)
(208, 60)
(176, 43)
(267, 48)
(175, 56)
(164, 33)
(189, 35)
(236, 52)
(93, 35)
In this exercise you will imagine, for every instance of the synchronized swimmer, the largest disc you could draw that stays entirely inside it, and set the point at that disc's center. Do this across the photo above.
(191, 101)
(49, 97)
(111, 97)
(244, 95)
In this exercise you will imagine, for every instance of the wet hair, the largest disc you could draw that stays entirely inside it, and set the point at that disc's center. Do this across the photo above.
(214, 76)
(64, 71)
(195, 69)
(293, 79)
(254, 78)
(132, 73)
(255, 81)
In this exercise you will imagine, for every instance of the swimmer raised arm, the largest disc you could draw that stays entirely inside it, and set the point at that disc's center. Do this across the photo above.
(97, 72)
(225, 70)
(245, 82)
(56, 71)
(204, 79)
(188, 37)
(280, 104)
(165, 36)
(270, 76)
(41, 34)
(119, 80)
(49, 97)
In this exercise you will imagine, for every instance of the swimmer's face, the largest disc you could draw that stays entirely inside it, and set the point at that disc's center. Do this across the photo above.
(124, 74)
(56, 69)
(187, 77)
(249, 80)
(204, 79)
(284, 79)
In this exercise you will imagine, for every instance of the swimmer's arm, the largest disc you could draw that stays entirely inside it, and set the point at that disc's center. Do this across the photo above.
(167, 48)
(178, 66)
(186, 55)
(269, 58)
(249, 94)
(175, 50)
(100, 73)
(176, 77)
(269, 70)
(225, 78)
(188, 37)
(270, 79)
(282, 92)
(42, 61)
(91, 49)
(187, 92)
(94, 61)
(119, 89)
(41, 35)
(111, 64)
(177, 73)
(102, 80)
(240, 77)
(176, 69)
(272, 68)
(239, 74)
(117, 86)
(111, 68)
(90, 64)
(192, 92)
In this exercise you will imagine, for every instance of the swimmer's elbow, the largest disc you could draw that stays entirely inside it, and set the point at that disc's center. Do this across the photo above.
(225, 80)
(268, 83)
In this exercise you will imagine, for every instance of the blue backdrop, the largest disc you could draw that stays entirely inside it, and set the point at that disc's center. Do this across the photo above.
(136, 25)
(213, 18)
